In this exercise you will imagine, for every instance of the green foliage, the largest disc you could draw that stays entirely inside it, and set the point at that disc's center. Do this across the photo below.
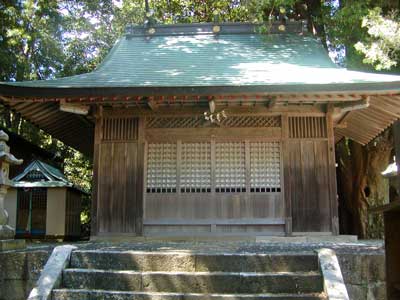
(268, 10)
(25, 51)
(382, 46)
(360, 29)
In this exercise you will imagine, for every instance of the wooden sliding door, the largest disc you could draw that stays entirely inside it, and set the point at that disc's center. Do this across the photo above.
(222, 180)
(310, 174)
(118, 176)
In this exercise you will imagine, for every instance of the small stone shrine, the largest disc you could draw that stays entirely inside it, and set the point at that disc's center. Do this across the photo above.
(7, 241)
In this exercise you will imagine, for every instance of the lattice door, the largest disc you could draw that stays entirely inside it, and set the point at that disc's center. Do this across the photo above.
(230, 173)
(196, 168)
(161, 168)
(39, 207)
(265, 167)
(31, 213)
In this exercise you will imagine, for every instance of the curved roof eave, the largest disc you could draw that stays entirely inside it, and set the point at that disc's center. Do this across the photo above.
(66, 92)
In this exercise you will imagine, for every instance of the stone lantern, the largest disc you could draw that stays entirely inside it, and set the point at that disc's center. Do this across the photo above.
(6, 159)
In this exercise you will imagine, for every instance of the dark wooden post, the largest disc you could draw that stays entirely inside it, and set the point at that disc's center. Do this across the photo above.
(396, 133)
(392, 249)
(391, 217)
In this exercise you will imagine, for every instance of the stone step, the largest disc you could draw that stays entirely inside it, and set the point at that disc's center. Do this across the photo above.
(194, 282)
(81, 294)
(189, 262)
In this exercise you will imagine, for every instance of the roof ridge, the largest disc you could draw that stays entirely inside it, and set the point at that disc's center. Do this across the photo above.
(291, 26)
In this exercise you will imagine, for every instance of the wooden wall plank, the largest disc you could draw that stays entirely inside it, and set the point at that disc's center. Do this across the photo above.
(105, 186)
(322, 185)
(311, 217)
(193, 206)
(295, 183)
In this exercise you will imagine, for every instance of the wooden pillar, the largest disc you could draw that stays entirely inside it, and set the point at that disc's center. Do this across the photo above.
(286, 192)
(396, 133)
(140, 178)
(97, 138)
(332, 172)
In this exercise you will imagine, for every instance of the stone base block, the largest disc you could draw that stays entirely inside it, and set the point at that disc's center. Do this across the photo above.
(6, 232)
(6, 245)
(299, 237)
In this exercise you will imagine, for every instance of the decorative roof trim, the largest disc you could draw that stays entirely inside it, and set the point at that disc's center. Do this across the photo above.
(208, 28)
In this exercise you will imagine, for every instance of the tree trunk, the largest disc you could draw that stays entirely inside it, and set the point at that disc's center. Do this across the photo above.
(361, 185)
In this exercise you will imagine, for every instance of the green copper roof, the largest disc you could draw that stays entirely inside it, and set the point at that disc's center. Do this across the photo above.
(205, 60)
(51, 177)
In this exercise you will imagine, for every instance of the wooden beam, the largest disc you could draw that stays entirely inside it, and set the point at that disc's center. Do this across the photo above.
(39, 112)
(31, 109)
(191, 111)
(354, 105)
(341, 125)
(50, 114)
(74, 108)
(243, 221)
(19, 105)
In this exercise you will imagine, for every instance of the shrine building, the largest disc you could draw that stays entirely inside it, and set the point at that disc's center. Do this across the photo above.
(212, 129)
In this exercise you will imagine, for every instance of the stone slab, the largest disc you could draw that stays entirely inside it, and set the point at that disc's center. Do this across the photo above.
(8, 245)
(333, 280)
(132, 260)
(50, 277)
(309, 238)
(175, 261)
(194, 282)
(256, 262)
(102, 279)
(65, 294)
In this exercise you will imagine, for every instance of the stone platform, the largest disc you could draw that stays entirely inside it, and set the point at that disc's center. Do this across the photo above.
(7, 245)
(362, 262)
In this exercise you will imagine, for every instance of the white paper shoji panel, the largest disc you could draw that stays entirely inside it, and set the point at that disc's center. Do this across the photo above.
(265, 167)
(230, 167)
(196, 167)
(161, 168)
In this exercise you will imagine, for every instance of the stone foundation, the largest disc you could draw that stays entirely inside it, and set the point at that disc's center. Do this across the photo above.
(364, 275)
(363, 267)
(19, 272)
